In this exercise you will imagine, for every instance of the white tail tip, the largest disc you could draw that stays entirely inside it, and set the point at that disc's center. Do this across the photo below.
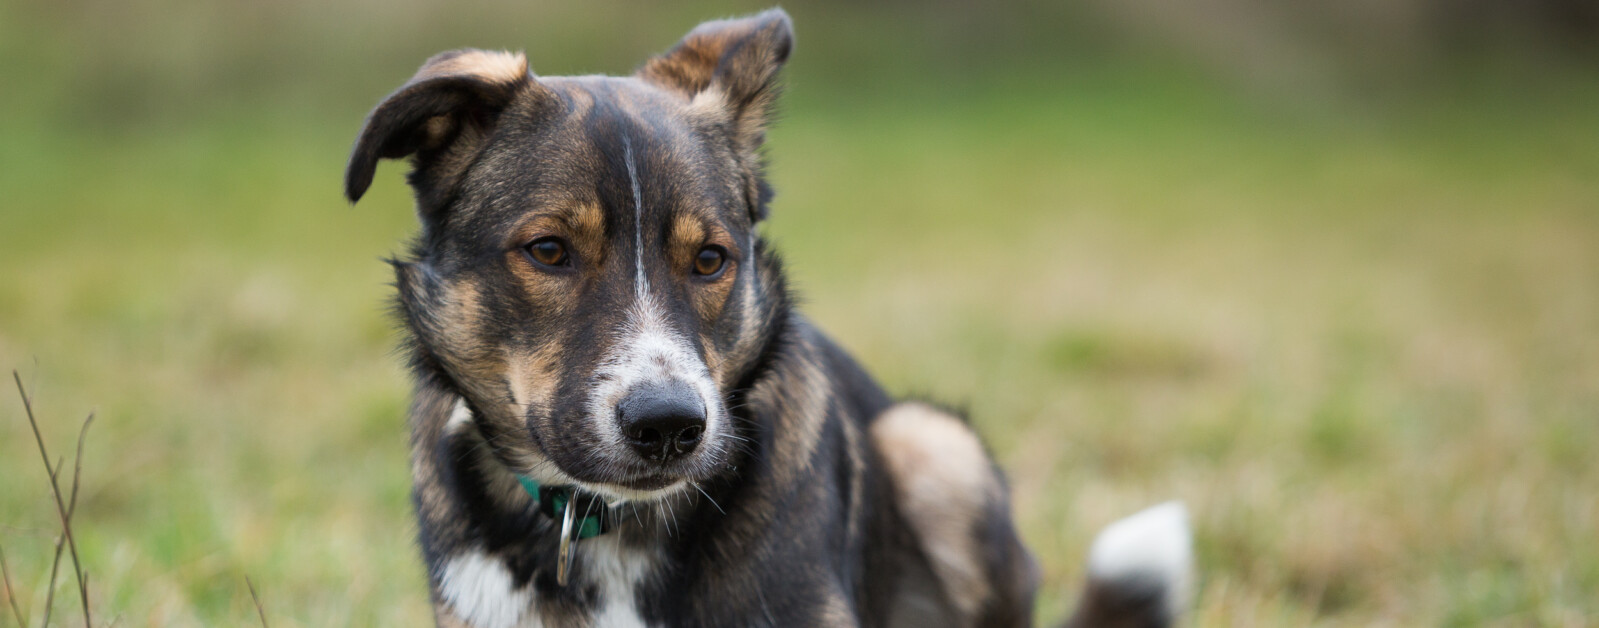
(1153, 549)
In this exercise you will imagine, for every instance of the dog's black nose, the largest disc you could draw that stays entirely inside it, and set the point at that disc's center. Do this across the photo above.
(662, 421)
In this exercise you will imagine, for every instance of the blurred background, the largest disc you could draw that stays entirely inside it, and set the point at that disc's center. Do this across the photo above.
(1327, 270)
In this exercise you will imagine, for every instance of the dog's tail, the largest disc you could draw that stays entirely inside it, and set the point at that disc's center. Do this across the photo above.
(1140, 571)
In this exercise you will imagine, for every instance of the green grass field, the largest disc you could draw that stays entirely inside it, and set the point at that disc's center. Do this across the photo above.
(1363, 346)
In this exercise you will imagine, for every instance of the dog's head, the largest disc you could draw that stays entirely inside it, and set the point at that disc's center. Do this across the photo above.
(588, 275)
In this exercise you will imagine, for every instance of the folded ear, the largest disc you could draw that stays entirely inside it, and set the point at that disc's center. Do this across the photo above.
(736, 60)
(441, 115)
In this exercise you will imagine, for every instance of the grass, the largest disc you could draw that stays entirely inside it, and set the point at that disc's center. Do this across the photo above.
(1363, 347)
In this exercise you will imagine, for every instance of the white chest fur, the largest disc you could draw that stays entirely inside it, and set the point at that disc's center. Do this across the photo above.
(480, 590)
(618, 572)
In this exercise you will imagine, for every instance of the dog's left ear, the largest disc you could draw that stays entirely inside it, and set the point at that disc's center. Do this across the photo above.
(734, 63)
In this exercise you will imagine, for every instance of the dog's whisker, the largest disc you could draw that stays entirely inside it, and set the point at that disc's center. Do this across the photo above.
(708, 497)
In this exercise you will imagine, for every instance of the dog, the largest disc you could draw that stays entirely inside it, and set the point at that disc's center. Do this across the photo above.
(621, 420)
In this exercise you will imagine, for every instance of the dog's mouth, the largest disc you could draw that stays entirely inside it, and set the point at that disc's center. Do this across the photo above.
(651, 482)
(615, 472)
(643, 488)
(633, 483)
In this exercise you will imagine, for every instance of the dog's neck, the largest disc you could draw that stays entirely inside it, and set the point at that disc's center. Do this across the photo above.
(492, 555)
(495, 559)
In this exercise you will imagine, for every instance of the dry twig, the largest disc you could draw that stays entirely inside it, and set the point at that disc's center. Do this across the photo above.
(55, 488)
(72, 508)
(260, 610)
(11, 593)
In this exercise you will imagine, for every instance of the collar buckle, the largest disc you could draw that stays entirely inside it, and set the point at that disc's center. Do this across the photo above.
(561, 503)
(593, 519)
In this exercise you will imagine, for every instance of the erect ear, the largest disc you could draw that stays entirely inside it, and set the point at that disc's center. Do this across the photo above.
(730, 68)
(736, 60)
(442, 115)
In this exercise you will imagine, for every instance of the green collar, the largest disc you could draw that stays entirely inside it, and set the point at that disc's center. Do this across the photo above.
(553, 500)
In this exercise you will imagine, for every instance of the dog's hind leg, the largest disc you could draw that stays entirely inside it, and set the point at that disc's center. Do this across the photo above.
(954, 500)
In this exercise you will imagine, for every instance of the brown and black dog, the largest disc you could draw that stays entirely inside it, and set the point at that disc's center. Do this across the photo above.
(619, 418)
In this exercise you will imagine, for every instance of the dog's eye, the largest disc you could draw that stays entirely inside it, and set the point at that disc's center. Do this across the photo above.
(710, 260)
(548, 251)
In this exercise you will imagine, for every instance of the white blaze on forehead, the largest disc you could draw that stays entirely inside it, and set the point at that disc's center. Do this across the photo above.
(641, 284)
(481, 591)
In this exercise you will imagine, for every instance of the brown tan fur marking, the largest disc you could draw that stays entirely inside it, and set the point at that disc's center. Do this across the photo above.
(496, 66)
(942, 481)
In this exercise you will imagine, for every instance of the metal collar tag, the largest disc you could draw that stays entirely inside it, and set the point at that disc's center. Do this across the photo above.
(563, 560)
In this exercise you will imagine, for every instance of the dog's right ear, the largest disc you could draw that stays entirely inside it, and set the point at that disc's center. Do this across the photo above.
(443, 115)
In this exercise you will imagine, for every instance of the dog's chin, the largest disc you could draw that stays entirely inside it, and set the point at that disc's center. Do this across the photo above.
(651, 489)
(625, 480)
(642, 485)
(650, 483)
